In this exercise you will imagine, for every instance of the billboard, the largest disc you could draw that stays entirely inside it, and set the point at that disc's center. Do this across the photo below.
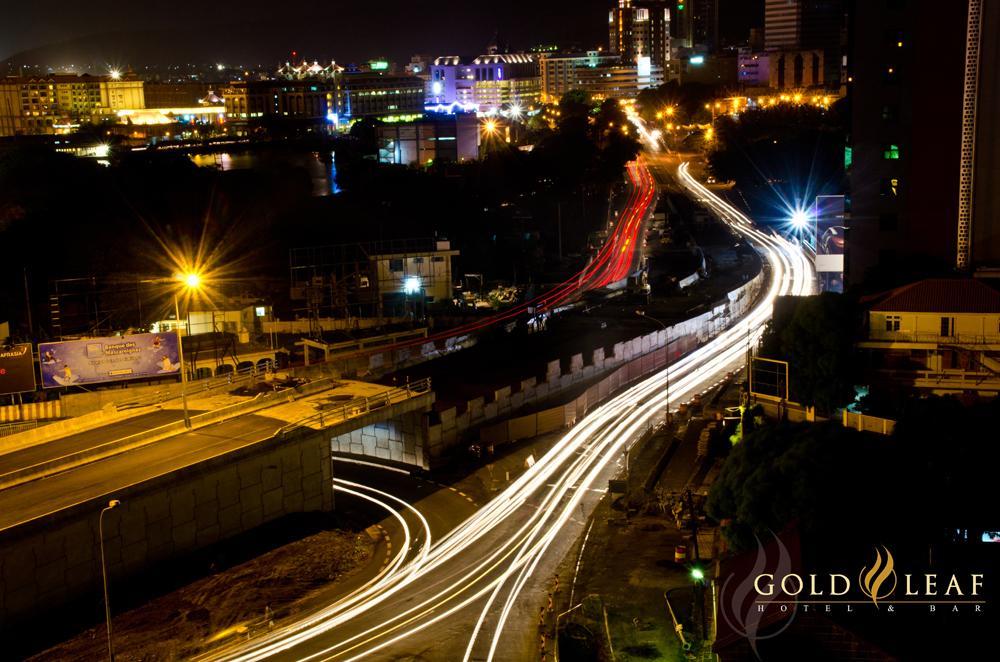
(830, 242)
(97, 360)
(17, 369)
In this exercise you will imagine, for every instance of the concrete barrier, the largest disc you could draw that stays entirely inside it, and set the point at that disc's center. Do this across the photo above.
(31, 411)
(52, 563)
(138, 440)
(627, 362)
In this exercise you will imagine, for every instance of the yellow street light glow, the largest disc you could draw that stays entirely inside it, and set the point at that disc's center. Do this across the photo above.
(191, 281)
(670, 110)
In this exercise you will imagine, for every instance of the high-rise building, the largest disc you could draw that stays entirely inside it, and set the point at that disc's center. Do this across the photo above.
(639, 29)
(704, 24)
(782, 24)
(824, 27)
(603, 76)
(923, 156)
(808, 25)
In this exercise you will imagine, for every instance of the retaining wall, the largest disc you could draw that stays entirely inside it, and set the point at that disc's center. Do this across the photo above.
(53, 563)
(623, 363)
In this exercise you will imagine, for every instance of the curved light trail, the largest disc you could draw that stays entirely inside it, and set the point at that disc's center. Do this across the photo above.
(616, 260)
(478, 571)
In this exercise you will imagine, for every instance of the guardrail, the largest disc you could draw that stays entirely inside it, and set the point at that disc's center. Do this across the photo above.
(7, 429)
(359, 406)
(193, 388)
(964, 377)
(914, 336)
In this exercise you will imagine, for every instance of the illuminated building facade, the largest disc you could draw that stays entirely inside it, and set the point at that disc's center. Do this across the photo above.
(124, 92)
(380, 96)
(603, 76)
(641, 28)
(60, 103)
(436, 137)
(248, 101)
(28, 106)
(781, 70)
(488, 82)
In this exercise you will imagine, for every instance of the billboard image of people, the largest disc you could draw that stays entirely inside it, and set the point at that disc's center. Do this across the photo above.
(830, 242)
(116, 358)
(17, 369)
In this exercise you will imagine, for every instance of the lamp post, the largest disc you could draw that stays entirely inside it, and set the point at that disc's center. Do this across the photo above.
(666, 332)
(190, 282)
(104, 574)
(180, 355)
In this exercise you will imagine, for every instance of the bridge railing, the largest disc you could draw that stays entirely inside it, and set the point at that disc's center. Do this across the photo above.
(194, 387)
(343, 411)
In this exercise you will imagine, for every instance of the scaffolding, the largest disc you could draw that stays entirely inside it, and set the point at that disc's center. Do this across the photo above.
(393, 278)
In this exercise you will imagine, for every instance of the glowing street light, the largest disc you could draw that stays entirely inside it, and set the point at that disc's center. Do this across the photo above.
(697, 574)
(411, 285)
(799, 219)
(191, 282)
(115, 74)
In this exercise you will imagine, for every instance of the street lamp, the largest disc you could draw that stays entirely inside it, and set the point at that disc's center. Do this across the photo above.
(666, 332)
(192, 283)
(104, 574)
(801, 219)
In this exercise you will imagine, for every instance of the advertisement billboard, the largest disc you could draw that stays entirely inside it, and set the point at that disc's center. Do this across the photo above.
(830, 241)
(17, 369)
(98, 360)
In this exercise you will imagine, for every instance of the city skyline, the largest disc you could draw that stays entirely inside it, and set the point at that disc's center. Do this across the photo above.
(246, 34)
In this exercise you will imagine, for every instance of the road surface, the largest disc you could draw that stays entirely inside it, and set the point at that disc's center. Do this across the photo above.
(474, 594)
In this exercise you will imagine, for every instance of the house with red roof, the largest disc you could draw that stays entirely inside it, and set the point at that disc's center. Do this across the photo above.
(937, 336)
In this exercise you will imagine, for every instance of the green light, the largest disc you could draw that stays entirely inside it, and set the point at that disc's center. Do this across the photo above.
(378, 65)
(697, 574)
(680, 6)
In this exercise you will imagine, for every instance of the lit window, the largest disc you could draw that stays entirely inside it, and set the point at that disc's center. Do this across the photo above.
(891, 153)
(892, 322)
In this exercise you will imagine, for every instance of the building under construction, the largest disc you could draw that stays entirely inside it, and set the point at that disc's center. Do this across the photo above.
(394, 278)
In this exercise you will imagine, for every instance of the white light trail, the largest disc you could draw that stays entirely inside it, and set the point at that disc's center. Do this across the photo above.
(555, 484)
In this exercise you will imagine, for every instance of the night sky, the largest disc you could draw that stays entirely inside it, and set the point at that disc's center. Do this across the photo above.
(133, 32)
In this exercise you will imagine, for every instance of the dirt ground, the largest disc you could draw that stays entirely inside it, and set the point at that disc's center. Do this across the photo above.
(226, 604)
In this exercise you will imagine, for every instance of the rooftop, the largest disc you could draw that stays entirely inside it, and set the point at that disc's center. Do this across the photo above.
(938, 295)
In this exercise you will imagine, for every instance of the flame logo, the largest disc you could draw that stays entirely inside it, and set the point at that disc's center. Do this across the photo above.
(738, 600)
(871, 581)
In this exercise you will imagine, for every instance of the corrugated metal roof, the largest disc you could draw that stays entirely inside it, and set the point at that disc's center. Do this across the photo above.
(939, 295)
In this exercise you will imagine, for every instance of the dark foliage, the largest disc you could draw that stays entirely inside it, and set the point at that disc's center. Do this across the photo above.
(817, 341)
